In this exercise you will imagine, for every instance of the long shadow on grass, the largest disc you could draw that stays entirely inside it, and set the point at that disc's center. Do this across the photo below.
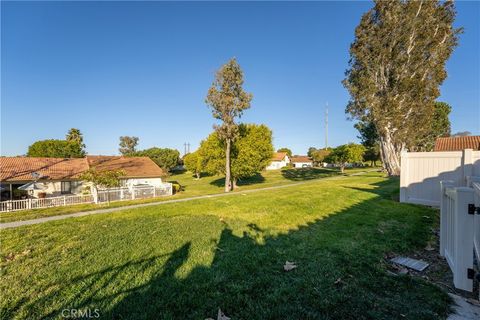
(255, 179)
(302, 174)
(340, 275)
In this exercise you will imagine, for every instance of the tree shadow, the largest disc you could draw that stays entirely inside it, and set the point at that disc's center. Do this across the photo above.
(257, 178)
(302, 174)
(341, 274)
(387, 189)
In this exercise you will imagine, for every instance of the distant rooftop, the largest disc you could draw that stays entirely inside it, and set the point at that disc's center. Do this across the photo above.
(457, 143)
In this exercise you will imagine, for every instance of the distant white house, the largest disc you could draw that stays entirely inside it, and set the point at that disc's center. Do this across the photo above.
(279, 160)
(302, 162)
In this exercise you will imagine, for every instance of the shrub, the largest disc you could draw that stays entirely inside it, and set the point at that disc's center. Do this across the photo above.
(176, 187)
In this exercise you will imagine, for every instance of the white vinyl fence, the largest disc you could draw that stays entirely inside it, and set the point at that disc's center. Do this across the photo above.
(102, 196)
(421, 173)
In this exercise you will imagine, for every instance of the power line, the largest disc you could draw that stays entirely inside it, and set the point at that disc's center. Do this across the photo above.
(326, 126)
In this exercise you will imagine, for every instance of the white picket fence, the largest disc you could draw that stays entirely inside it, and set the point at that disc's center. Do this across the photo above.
(460, 229)
(101, 196)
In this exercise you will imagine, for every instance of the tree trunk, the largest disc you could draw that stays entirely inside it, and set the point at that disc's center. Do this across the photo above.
(234, 183)
(342, 168)
(228, 179)
(198, 175)
(390, 155)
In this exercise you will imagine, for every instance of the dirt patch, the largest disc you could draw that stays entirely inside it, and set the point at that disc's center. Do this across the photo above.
(438, 272)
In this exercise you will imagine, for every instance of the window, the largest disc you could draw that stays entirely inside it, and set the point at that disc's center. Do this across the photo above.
(66, 187)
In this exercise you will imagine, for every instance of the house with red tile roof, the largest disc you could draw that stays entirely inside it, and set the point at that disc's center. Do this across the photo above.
(279, 160)
(58, 176)
(457, 143)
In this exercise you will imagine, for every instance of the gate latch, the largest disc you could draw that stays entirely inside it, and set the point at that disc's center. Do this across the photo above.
(472, 209)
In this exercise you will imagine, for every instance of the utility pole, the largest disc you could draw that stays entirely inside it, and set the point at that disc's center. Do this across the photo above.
(326, 126)
(188, 147)
(184, 148)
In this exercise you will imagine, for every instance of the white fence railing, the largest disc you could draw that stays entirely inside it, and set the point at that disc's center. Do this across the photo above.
(101, 196)
(460, 231)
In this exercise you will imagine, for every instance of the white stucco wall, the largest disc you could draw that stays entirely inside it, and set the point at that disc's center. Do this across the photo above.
(302, 164)
(275, 165)
(54, 188)
(157, 182)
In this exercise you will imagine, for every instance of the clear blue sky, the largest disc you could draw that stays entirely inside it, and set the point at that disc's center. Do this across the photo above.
(143, 69)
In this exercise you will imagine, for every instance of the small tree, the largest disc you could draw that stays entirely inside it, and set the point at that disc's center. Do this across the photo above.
(104, 178)
(347, 153)
(286, 150)
(228, 100)
(74, 135)
(193, 163)
(319, 155)
(128, 145)
(250, 154)
(462, 134)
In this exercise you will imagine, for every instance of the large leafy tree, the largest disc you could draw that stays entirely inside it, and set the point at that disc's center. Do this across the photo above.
(165, 158)
(369, 139)
(347, 153)
(228, 100)
(251, 152)
(53, 148)
(397, 65)
(128, 145)
(439, 127)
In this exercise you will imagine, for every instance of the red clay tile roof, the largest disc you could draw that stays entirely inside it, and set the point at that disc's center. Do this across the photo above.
(301, 159)
(457, 143)
(279, 156)
(138, 167)
(21, 168)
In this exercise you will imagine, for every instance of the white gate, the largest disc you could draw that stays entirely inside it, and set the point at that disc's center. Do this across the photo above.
(460, 231)
(476, 220)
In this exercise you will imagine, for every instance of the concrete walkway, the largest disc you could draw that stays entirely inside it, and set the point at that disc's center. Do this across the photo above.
(16, 224)
(463, 310)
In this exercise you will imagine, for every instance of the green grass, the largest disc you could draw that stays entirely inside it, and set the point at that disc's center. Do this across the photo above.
(191, 187)
(186, 260)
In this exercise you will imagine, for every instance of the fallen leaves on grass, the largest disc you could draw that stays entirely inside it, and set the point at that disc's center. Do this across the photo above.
(220, 316)
(12, 256)
(289, 266)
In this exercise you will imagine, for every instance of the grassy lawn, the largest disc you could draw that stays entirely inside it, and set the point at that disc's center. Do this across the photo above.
(186, 260)
(190, 188)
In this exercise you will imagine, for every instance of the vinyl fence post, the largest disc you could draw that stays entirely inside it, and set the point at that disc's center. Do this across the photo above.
(444, 184)
(133, 193)
(64, 200)
(29, 203)
(463, 239)
(404, 176)
(154, 191)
